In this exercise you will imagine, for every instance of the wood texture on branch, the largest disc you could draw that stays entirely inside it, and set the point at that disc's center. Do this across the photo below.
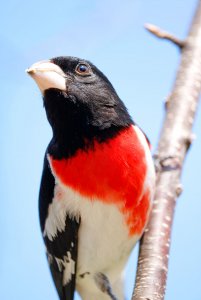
(175, 138)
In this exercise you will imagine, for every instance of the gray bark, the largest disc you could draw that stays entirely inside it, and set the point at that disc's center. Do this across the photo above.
(175, 139)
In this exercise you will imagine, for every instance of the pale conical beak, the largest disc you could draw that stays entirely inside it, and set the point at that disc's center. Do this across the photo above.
(47, 75)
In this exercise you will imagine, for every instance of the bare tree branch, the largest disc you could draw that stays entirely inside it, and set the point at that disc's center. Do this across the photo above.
(174, 142)
(164, 35)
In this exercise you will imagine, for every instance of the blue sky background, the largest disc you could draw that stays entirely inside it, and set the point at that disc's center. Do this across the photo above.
(142, 69)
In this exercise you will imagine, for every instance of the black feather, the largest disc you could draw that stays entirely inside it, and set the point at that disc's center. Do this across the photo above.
(64, 243)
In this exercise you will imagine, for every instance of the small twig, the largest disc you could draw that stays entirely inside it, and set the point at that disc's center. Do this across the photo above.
(164, 35)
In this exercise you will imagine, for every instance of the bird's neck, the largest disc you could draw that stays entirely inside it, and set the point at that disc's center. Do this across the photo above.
(77, 125)
(67, 141)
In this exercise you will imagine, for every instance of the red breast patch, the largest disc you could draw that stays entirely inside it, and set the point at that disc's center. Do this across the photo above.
(112, 172)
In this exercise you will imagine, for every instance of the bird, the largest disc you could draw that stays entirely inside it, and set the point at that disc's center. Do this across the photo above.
(97, 182)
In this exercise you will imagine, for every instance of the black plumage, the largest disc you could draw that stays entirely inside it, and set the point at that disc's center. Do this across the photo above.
(65, 241)
(89, 110)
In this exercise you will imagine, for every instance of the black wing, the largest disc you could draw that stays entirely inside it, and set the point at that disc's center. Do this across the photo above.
(62, 250)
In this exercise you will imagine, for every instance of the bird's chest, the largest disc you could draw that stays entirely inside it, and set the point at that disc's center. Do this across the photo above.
(108, 189)
(113, 174)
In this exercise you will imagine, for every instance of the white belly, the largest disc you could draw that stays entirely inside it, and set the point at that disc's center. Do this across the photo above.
(103, 237)
(103, 241)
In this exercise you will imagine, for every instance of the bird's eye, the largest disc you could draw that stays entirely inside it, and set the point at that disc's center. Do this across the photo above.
(82, 69)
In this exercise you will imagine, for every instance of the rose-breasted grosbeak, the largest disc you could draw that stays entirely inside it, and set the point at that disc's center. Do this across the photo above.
(97, 182)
